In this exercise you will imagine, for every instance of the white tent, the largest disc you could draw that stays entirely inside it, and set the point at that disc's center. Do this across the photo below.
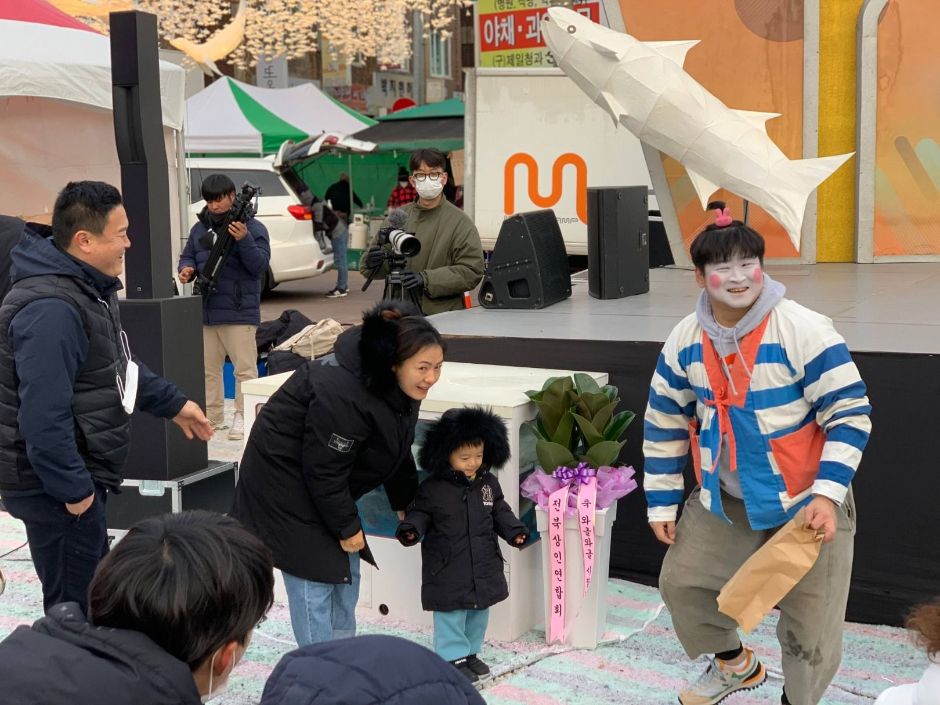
(233, 117)
(55, 111)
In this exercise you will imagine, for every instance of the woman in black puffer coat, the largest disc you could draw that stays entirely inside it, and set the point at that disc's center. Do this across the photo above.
(338, 428)
(460, 511)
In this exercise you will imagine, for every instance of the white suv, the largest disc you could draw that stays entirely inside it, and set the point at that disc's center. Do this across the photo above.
(295, 252)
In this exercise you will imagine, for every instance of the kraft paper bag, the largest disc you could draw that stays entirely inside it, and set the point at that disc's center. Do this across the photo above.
(768, 575)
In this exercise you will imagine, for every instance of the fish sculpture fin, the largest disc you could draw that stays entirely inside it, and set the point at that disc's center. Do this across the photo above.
(757, 119)
(674, 50)
(703, 187)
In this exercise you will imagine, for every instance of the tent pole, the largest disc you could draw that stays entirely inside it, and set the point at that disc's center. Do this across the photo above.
(350, 182)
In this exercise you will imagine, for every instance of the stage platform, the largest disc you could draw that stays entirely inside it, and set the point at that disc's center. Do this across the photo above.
(876, 307)
(889, 315)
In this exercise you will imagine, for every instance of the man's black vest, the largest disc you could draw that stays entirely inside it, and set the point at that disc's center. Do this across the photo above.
(102, 428)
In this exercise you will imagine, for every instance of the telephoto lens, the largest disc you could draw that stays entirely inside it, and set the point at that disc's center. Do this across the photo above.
(404, 243)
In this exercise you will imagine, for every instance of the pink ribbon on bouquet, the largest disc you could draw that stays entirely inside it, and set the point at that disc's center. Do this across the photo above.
(582, 480)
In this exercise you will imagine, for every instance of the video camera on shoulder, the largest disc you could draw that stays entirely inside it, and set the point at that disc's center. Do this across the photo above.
(242, 207)
(242, 211)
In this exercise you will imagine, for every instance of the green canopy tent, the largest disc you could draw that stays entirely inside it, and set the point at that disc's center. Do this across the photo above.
(397, 135)
(229, 118)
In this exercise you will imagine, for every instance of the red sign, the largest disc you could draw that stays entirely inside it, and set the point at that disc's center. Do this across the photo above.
(522, 29)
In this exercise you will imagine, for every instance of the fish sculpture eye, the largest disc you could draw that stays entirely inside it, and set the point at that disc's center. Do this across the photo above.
(572, 29)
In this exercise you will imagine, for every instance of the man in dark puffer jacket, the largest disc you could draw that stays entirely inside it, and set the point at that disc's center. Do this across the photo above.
(64, 374)
(367, 670)
(232, 312)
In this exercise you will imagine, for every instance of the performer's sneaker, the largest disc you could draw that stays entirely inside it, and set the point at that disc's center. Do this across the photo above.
(336, 293)
(477, 666)
(721, 679)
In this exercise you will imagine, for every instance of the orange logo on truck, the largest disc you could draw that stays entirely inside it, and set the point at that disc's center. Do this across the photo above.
(568, 158)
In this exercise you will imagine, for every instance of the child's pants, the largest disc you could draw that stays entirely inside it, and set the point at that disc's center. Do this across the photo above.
(459, 633)
(708, 551)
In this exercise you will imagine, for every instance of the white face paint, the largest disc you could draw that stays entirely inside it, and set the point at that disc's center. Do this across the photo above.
(736, 283)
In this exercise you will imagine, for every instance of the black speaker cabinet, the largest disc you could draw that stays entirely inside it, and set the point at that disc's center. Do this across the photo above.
(529, 264)
(618, 242)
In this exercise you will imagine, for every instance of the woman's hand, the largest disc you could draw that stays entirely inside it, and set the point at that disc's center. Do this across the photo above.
(354, 543)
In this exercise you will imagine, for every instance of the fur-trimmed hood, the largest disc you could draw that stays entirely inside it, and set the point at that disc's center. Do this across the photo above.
(460, 427)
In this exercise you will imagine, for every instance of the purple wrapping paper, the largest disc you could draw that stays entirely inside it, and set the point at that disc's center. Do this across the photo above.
(612, 484)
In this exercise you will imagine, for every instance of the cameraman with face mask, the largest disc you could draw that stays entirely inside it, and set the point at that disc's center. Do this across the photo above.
(232, 312)
(451, 258)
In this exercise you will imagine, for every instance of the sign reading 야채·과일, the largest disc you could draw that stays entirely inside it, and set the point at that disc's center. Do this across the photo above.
(509, 32)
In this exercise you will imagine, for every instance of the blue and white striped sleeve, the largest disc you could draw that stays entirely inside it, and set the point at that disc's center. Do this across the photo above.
(834, 388)
(670, 409)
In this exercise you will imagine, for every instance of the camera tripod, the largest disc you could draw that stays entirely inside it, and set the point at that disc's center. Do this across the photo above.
(393, 287)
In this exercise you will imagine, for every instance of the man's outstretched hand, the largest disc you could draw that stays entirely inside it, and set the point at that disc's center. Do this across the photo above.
(193, 422)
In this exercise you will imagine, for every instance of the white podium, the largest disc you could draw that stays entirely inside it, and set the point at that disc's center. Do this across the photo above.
(394, 590)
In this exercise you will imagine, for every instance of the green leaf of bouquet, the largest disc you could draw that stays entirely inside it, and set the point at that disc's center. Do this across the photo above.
(562, 434)
(602, 417)
(551, 455)
(618, 425)
(604, 453)
(585, 383)
(591, 436)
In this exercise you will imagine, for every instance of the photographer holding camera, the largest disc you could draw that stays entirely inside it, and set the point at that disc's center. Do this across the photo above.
(450, 260)
(231, 311)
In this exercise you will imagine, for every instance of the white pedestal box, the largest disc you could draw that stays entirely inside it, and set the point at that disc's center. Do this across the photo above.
(585, 615)
(394, 590)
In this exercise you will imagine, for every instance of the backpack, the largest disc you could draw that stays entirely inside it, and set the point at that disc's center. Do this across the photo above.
(313, 341)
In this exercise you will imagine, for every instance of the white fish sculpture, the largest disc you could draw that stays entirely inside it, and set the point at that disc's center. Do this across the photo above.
(643, 87)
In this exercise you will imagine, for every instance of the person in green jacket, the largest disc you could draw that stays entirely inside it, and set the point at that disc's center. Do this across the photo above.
(451, 258)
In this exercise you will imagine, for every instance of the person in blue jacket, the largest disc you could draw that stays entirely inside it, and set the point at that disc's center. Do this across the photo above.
(67, 386)
(232, 312)
(367, 670)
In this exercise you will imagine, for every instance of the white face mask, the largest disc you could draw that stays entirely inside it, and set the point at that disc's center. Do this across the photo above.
(127, 388)
(429, 190)
(403, 183)
(736, 283)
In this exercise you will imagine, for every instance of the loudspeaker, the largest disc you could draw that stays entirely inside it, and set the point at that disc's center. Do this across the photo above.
(618, 242)
(166, 334)
(529, 264)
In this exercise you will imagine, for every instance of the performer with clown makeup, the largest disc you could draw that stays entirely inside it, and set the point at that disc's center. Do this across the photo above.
(765, 393)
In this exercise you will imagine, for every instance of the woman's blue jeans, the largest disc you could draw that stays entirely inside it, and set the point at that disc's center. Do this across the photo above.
(323, 611)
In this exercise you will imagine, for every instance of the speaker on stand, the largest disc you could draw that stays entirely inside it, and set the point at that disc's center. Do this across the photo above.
(618, 242)
(529, 264)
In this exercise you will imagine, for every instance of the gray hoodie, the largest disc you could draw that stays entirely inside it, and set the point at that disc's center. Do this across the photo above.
(726, 342)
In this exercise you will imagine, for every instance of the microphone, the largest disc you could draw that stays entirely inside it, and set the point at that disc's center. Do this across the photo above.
(397, 219)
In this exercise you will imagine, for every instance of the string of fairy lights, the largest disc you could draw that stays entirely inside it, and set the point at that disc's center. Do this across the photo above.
(355, 29)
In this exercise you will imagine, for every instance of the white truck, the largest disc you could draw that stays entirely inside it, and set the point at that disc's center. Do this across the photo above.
(533, 140)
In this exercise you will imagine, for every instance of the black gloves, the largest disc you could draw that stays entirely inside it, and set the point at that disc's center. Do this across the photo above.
(375, 255)
(412, 280)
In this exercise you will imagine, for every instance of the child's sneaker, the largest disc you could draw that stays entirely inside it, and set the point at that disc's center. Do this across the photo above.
(3, 583)
(477, 666)
(721, 679)
(461, 665)
(336, 293)
(237, 431)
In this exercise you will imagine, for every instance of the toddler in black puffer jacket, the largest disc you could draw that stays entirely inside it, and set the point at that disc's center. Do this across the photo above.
(459, 511)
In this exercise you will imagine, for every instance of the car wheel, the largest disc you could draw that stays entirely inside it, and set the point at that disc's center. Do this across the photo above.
(267, 282)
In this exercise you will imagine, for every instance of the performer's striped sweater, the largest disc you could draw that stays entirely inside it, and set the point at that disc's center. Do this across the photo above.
(795, 417)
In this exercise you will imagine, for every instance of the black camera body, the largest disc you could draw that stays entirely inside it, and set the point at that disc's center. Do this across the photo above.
(242, 211)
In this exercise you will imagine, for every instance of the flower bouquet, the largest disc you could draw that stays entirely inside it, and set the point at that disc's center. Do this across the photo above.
(576, 488)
